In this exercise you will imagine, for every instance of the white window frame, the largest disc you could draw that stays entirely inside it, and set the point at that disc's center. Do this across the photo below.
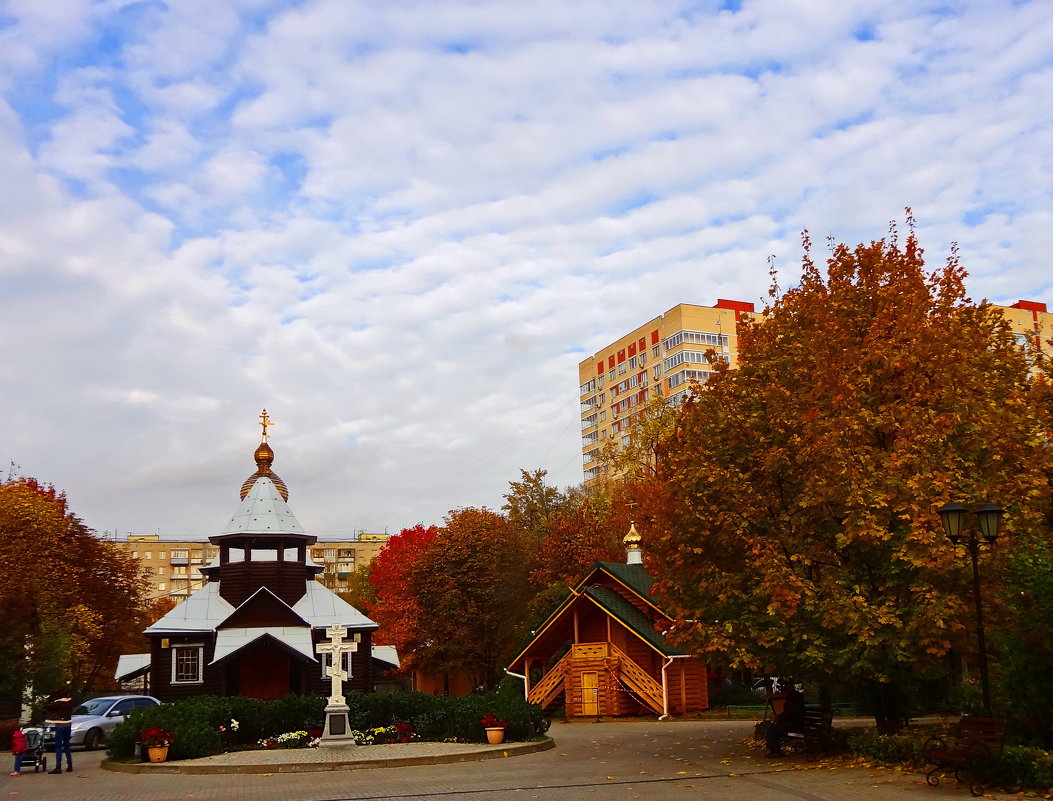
(200, 663)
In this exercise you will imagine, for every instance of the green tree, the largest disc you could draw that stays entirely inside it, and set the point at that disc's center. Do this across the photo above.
(802, 532)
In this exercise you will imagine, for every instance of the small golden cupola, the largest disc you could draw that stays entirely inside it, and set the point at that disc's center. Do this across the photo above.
(264, 457)
(632, 540)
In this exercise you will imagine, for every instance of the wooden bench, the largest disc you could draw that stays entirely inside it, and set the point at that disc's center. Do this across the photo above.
(975, 747)
(814, 734)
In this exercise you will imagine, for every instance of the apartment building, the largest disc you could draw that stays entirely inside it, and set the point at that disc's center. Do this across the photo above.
(1032, 325)
(665, 354)
(172, 567)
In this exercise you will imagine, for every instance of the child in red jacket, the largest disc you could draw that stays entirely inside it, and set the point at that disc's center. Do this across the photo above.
(18, 748)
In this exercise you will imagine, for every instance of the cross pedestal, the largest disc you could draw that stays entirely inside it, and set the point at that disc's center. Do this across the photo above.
(337, 727)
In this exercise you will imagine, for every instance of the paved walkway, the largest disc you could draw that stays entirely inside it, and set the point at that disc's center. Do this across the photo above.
(337, 757)
(615, 761)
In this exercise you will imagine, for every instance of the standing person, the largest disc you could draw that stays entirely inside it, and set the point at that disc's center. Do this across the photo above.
(59, 712)
(790, 719)
(18, 748)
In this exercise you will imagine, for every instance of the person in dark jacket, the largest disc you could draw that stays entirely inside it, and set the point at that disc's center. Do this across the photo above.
(58, 711)
(790, 719)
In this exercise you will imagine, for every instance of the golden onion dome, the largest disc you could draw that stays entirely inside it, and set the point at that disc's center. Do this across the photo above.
(264, 457)
(633, 539)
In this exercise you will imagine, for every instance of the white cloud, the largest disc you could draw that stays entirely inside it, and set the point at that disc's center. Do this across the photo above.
(400, 225)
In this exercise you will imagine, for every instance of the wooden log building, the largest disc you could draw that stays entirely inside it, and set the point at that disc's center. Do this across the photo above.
(254, 627)
(602, 652)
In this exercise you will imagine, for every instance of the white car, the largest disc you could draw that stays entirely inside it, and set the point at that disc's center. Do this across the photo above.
(94, 720)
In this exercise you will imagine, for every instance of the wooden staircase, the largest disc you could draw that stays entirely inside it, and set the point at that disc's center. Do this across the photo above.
(637, 680)
(624, 670)
(551, 686)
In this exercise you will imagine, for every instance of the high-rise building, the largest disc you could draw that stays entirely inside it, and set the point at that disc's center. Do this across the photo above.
(666, 354)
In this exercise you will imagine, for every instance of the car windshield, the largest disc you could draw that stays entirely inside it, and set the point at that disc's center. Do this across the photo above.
(94, 707)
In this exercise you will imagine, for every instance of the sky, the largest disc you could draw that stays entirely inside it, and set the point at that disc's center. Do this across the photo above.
(400, 225)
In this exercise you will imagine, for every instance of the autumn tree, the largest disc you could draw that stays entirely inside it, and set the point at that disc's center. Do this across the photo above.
(71, 600)
(473, 583)
(802, 532)
(394, 606)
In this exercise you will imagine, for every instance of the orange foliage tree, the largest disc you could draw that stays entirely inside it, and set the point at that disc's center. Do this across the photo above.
(72, 602)
(802, 532)
(394, 607)
(473, 582)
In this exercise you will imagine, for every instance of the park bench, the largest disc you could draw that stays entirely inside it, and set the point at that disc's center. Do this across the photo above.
(976, 745)
(815, 733)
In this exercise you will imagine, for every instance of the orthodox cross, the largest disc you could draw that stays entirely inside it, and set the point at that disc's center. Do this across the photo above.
(336, 647)
(265, 421)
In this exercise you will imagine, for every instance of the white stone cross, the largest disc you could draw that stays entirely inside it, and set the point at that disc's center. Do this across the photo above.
(336, 647)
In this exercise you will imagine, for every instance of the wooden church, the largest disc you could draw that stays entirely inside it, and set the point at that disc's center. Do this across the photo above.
(602, 653)
(255, 627)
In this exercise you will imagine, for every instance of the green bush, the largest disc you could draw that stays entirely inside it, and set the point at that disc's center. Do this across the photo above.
(1023, 766)
(196, 721)
(893, 748)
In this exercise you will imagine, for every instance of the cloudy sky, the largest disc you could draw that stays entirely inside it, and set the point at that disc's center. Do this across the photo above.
(399, 225)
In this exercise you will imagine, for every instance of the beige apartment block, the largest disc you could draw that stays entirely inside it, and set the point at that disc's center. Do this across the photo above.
(667, 354)
(172, 567)
(1032, 325)
(664, 355)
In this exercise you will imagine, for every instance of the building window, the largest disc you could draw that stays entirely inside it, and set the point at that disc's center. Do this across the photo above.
(655, 351)
(179, 571)
(186, 664)
(161, 571)
(148, 555)
(161, 586)
(588, 422)
(180, 553)
(588, 387)
(135, 554)
(696, 338)
(162, 555)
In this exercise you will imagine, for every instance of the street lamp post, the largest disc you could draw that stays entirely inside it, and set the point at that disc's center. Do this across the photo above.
(990, 516)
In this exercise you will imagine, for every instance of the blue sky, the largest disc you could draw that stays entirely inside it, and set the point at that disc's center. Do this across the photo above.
(399, 226)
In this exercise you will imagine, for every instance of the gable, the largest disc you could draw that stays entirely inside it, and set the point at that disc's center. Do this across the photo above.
(263, 608)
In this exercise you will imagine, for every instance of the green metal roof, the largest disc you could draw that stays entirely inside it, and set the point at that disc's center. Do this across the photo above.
(632, 576)
(631, 617)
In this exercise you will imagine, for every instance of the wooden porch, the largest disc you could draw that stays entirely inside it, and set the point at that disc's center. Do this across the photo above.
(598, 679)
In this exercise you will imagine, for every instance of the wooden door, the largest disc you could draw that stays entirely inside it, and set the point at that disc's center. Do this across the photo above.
(264, 671)
(590, 694)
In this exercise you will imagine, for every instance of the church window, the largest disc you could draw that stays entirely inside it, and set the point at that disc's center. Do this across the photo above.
(327, 660)
(186, 664)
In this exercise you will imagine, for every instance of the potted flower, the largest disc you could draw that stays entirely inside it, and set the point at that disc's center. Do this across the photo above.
(156, 741)
(495, 728)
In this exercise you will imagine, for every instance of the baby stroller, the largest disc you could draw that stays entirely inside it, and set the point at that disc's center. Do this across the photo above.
(35, 754)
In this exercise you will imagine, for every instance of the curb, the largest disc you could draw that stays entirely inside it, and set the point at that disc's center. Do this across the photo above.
(512, 749)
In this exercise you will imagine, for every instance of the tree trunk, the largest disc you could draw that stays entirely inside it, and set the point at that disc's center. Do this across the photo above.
(889, 714)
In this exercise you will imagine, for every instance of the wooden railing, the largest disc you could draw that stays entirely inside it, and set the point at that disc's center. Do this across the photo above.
(590, 650)
(551, 685)
(638, 680)
(619, 664)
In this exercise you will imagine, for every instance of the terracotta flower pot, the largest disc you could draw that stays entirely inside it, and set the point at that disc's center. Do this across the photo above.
(495, 736)
(158, 753)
